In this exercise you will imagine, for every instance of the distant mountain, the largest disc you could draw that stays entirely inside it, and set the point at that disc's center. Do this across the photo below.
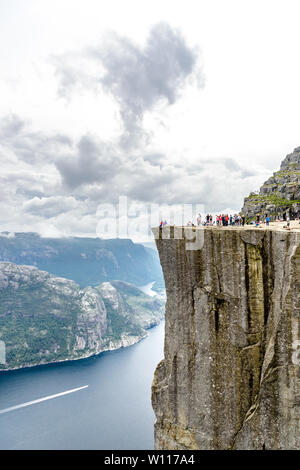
(44, 318)
(280, 193)
(87, 261)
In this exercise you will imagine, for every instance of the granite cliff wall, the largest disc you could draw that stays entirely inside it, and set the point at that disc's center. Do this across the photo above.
(230, 378)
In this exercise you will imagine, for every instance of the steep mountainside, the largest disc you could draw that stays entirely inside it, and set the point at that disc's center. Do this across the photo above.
(87, 261)
(280, 193)
(230, 378)
(45, 319)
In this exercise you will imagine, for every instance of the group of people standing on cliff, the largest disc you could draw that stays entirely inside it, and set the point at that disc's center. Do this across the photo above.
(226, 220)
(235, 220)
(222, 220)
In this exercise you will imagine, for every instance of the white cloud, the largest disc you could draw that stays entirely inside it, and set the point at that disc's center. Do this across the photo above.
(48, 207)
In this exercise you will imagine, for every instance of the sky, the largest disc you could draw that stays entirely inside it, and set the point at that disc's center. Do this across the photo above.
(162, 102)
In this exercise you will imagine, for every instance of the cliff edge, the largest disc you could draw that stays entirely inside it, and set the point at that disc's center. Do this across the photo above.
(230, 378)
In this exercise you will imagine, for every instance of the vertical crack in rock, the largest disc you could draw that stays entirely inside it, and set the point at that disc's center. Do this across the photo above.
(247, 285)
(230, 376)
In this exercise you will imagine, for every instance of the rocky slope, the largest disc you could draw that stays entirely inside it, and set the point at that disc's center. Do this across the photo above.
(230, 378)
(280, 193)
(45, 319)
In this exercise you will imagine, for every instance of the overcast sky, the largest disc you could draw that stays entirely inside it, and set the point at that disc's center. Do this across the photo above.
(162, 101)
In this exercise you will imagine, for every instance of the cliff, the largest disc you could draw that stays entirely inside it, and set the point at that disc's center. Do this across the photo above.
(280, 193)
(44, 318)
(230, 378)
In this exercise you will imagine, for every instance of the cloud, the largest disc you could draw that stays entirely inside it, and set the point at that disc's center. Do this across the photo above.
(76, 71)
(137, 77)
(155, 159)
(11, 126)
(233, 166)
(48, 207)
(31, 147)
(61, 182)
(92, 162)
(95, 171)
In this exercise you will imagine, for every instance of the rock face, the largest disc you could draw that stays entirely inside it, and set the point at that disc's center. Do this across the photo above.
(280, 193)
(46, 319)
(230, 378)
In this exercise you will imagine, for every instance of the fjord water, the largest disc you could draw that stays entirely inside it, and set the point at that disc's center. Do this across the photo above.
(113, 412)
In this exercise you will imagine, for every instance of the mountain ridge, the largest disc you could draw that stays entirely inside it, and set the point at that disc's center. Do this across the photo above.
(46, 319)
(87, 261)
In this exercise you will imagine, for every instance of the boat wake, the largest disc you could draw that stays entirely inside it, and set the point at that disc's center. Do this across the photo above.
(39, 400)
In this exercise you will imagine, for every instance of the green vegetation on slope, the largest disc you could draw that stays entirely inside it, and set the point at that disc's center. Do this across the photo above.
(47, 319)
(273, 198)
